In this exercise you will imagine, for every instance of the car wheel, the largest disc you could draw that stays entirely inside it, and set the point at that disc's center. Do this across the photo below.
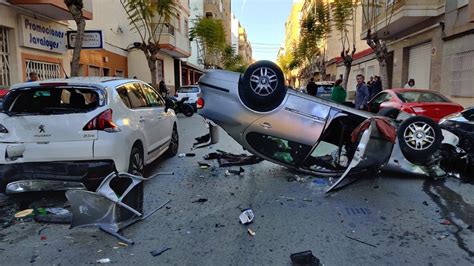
(262, 87)
(419, 138)
(188, 110)
(174, 143)
(389, 112)
(136, 164)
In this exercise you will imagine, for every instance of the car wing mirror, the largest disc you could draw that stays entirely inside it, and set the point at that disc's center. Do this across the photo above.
(168, 104)
(210, 138)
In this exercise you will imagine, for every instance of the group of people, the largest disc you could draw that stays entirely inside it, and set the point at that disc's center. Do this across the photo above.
(363, 93)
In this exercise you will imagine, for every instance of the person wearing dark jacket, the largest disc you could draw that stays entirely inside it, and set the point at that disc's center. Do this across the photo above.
(311, 87)
(361, 94)
(338, 92)
(376, 87)
(163, 88)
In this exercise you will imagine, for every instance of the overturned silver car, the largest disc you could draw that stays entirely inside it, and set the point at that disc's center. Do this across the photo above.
(316, 135)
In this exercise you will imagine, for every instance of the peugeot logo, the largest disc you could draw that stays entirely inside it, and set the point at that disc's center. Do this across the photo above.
(41, 129)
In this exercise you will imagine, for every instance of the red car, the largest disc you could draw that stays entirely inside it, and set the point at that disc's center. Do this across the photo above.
(415, 101)
(3, 92)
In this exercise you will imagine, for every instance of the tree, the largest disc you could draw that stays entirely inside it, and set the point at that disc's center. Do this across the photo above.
(75, 8)
(343, 13)
(232, 61)
(315, 29)
(371, 9)
(210, 35)
(149, 18)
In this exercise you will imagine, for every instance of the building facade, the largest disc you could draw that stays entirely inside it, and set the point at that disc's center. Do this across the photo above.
(221, 10)
(234, 34)
(33, 39)
(431, 42)
(245, 48)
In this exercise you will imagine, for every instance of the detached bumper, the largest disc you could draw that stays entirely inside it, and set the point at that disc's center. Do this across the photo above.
(50, 176)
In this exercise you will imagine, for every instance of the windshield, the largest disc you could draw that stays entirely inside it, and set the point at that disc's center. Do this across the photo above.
(188, 90)
(420, 96)
(51, 100)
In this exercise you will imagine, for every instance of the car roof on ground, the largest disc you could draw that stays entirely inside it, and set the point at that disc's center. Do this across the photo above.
(111, 81)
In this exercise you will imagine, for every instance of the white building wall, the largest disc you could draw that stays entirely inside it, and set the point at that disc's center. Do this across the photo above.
(234, 34)
(197, 11)
(367, 68)
(138, 66)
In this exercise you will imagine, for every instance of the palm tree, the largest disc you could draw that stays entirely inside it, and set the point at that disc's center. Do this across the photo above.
(75, 8)
(149, 18)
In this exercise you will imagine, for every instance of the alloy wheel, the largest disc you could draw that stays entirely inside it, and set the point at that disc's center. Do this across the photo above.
(419, 136)
(263, 81)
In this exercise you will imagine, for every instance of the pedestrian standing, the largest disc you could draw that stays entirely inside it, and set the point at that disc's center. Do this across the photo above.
(376, 87)
(338, 92)
(361, 94)
(163, 88)
(311, 87)
(410, 84)
(33, 77)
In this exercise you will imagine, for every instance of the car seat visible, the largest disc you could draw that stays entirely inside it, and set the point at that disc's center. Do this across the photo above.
(77, 100)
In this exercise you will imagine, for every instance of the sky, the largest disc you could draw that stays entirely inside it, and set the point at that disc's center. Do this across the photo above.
(264, 21)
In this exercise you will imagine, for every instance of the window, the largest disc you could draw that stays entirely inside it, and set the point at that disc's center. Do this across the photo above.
(45, 70)
(160, 74)
(105, 72)
(152, 97)
(94, 71)
(462, 74)
(186, 28)
(52, 100)
(425, 97)
(188, 90)
(178, 20)
(278, 149)
(132, 96)
(119, 73)
(4, 58)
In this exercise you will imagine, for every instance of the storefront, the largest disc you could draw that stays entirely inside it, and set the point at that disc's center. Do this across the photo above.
(31, 43)
(103, 63)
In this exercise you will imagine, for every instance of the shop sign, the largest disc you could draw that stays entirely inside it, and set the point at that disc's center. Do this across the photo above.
(42, 35)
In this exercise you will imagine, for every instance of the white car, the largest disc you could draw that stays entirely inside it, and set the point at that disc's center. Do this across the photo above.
(71, 133)
(190, 91)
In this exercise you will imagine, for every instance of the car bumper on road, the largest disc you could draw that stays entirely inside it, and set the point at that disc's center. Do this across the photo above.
(50, 176)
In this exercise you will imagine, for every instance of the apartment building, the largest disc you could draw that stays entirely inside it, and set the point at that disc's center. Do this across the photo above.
(431, 41)
(33, 39)
(222, 10)
(292, 35)
(245, 48)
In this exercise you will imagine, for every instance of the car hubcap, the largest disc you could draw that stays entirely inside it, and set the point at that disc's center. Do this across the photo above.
(263, 81)
(137, 165)
(419, 136)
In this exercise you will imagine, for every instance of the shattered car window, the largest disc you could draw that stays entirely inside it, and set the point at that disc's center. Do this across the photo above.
(281, 150)
(468, 114)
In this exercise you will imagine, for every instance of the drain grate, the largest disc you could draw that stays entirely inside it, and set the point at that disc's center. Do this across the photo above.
(358, 211)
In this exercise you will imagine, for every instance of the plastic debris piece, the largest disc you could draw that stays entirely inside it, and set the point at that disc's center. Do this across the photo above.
(308, 200)
(446, 222)
(43, 238)
(181, 155)
(304, 258)
(58, 211)
(102, 261)
(121, 244)
(425, 203)
(190, 154)
(234, 171)
(251, 232)
(158, 252)
(246, 216)
(201, 200)
(24, 213)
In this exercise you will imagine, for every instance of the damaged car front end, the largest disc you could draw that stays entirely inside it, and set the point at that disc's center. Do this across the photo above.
(316, 135)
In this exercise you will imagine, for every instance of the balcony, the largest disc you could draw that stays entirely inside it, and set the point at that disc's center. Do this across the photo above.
(174, 43)
(55, 9)
(400, 15)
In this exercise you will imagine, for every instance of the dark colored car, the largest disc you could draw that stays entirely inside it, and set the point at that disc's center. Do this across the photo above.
(415, 101)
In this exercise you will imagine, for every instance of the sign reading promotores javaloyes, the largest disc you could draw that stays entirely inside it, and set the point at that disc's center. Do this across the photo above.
(42, 35)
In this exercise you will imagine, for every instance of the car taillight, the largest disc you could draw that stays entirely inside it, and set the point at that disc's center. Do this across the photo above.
(103, 121)
(3, 129)
(200, 103)
(408, 110)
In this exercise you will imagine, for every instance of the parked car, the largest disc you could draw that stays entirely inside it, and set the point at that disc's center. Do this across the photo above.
(190, 91)
(324, 89)
(71, 133)
(315, 135)
(462, 125)
(415, 101)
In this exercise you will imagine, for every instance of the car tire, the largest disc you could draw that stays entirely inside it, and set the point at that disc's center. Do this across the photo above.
(174, 144)
(188, 110)
(136, 165)
(262, 87)
(419, 138)
(389, 112)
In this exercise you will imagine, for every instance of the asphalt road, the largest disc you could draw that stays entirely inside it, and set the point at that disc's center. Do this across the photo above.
(388, 220)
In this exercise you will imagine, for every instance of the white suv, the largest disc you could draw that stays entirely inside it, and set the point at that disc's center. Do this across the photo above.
(69, 134)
